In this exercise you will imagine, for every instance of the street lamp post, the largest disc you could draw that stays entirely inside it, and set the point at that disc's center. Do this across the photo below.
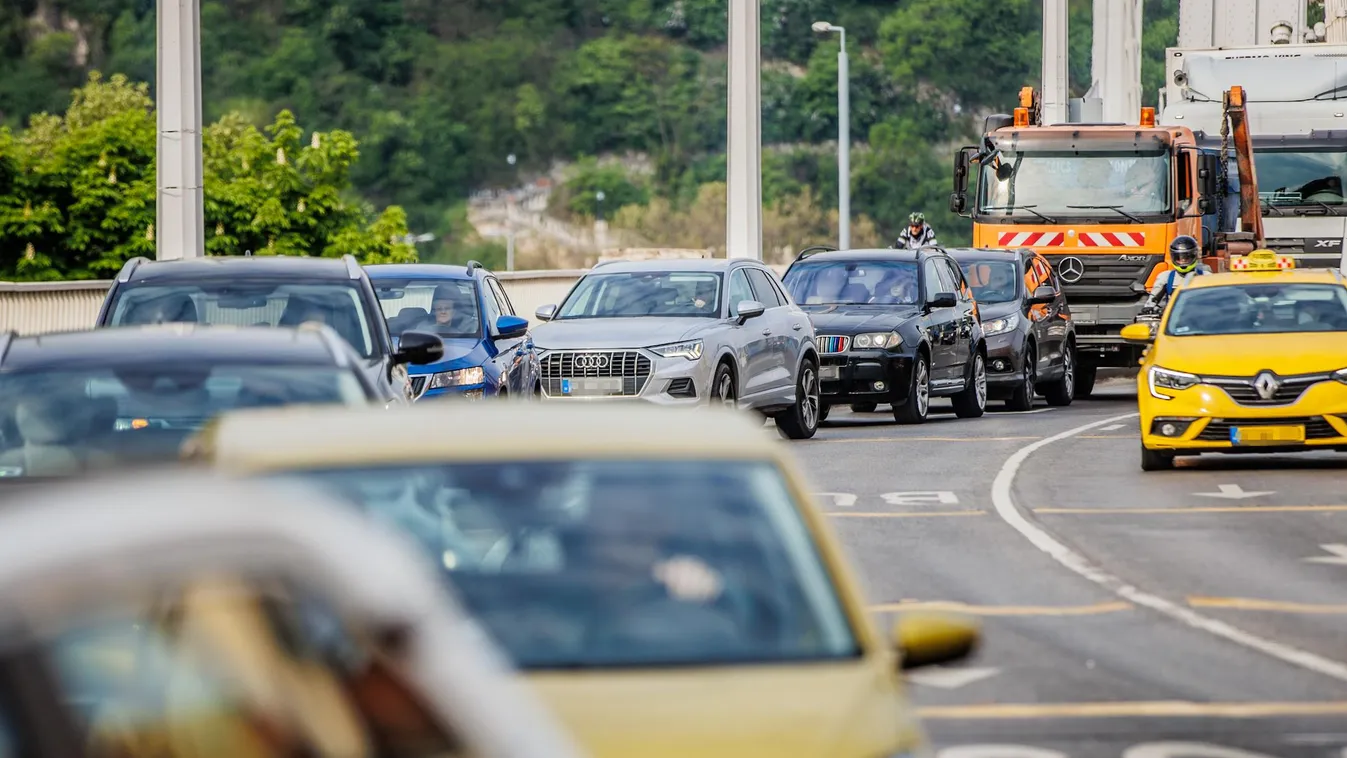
(509, 215)
(843, 137)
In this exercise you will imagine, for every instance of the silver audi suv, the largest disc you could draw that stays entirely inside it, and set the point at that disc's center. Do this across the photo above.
(683, 332)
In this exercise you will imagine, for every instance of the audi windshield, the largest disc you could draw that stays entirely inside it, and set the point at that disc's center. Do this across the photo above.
(692, 294)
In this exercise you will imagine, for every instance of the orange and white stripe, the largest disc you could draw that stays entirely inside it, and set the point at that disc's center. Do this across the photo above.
(1030, 239)
(1112, 239)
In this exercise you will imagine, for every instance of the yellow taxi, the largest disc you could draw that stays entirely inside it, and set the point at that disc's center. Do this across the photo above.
(663, 578)
(1252, 360)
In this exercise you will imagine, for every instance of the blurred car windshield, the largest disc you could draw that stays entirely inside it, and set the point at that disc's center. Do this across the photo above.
(853, 283)
(248, 303)
(992, 281)
(447, 308)
(693, 294)
(1269, 308)
(618, 563)
(55, 423)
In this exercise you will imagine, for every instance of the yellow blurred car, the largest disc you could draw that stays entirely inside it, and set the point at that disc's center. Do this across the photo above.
(1249, 361)
(663, 577)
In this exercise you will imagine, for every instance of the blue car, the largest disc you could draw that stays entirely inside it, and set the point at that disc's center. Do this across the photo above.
(488, 351)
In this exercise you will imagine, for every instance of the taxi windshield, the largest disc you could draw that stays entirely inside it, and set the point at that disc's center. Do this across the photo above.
(634, 563)
(1259, 308)
(853, 283)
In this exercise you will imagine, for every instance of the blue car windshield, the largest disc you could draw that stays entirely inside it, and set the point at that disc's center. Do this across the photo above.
(617, 563)
(443, 307)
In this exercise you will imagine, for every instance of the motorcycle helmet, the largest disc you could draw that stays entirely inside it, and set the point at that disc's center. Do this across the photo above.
(1183, 253)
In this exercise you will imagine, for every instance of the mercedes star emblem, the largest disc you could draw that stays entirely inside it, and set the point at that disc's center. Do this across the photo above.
(1071, 269)
(1267, 385)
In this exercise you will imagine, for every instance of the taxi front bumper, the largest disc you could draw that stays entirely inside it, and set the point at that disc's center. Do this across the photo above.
(1204, 418)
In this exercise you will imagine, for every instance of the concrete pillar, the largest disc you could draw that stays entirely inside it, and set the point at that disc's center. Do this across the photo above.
(1056, 84)
(179, 212)
(1116, 62)
(744, 212)
(1335, 18)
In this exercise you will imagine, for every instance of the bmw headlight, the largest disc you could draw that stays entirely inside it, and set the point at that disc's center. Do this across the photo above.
(880, 341)
(1163, 378)
(1001, 325)
(692, 350)
(462, 378)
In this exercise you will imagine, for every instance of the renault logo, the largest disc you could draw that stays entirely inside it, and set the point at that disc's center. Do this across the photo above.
(591, 360)
(1071, 269)
(1267, 385)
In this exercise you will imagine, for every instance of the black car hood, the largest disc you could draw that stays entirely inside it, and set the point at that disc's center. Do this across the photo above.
(858, 319)
(989, 311)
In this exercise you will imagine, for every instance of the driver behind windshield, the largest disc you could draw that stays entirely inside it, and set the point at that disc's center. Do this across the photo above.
(450, 312)
(899, 286)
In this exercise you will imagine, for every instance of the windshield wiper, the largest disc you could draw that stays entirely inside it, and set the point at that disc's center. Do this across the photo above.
(1116, 208)
(1328, 209)
(1268, 206)
(1029, 208)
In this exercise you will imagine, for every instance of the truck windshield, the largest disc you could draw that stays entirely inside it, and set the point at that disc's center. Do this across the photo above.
(1302, 176)
(1063, 184)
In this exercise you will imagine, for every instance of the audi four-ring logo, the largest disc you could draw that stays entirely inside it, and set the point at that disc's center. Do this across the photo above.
(1071, 269)
(591, 361)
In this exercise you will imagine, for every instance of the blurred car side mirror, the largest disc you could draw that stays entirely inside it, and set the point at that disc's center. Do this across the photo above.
(418, 349)
(546, 312)
(1043, 296)
(928, 639)
(510, 327)
(943, 300)
(748, 309)
(1137, 334)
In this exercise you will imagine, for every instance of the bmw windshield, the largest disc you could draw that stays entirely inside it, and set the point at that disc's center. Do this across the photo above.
(853, 283)
(629, 563)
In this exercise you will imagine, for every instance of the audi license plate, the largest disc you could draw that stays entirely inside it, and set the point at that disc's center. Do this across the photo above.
(592, 387)
(829, 373)
(1266, 435)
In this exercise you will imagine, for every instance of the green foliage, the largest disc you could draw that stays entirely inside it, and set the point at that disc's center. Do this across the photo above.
(579, 195)
(77, 191)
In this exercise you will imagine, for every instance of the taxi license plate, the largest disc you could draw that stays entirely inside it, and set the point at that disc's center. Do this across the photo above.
(829, 373)
(592, 387)
(1266, 435)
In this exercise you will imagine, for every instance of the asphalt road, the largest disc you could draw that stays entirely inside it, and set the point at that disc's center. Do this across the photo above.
(1125, 614)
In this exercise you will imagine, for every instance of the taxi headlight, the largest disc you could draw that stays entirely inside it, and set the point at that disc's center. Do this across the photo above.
(1341, 375)
(1163, 378)
(461, 378)
(877, 341)
(1001, 325)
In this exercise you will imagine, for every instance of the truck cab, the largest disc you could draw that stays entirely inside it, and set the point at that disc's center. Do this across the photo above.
(1101, 202)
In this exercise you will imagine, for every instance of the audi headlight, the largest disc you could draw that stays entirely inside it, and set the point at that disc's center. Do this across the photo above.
(462, 378)
(880, 341)
(692, 350)
(1163, 378)
(1001, 325)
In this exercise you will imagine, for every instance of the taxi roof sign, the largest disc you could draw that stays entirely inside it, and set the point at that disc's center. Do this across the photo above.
(1262, 260)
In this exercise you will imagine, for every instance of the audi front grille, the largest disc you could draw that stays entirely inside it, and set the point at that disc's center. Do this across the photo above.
(562, 368)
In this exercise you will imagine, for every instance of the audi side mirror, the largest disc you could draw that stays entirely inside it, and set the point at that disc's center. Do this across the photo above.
(546, 312)
(748, 309)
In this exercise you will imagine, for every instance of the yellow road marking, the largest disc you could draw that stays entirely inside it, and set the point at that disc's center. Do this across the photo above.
(902, 514)
(1154, 708)
(1255, 604)
(1003, 610)
(930, 439)
(1196, 509)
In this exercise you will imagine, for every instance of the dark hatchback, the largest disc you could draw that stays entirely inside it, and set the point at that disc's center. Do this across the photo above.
(1031, 339)
(894, 326)
(270, 291)
(80, 401)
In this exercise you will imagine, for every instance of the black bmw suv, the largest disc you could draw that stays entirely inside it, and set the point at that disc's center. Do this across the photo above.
(894, 326)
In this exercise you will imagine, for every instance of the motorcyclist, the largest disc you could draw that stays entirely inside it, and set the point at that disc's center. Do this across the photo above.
(1184, 265)
(917, 234)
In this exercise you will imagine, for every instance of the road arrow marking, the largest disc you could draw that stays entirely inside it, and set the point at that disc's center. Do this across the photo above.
(1338, 557)
(950, 678)
(840, 499)
(1233, 492)
(1111, 428)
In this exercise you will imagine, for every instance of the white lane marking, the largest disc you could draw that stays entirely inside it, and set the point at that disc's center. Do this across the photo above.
(1187, 750)
(1111, 428)
(1338, 557)
(950, 678)
(933, 497)
(840, 499)
(1026, 413)
(1004, 502)
(998, 751)
(1233, 492)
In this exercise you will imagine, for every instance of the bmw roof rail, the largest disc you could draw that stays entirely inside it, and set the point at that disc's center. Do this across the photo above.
(474, 264)
(352, 266)
(815, 250)
(129, 268)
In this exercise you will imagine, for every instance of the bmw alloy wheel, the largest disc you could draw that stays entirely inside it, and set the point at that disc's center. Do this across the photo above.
(922, 388)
